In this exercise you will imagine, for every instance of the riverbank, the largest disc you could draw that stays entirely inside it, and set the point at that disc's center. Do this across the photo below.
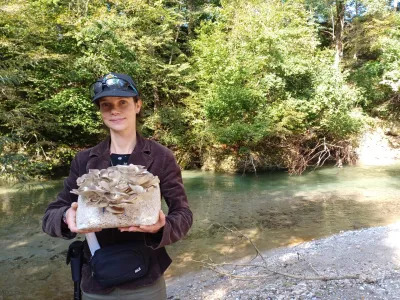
(373, 255)
(278, 211)
(380, 146)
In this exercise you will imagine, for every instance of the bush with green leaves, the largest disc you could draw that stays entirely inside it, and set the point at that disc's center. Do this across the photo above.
(261, 75)
(71, 116)
(53, 50)
(378, 75)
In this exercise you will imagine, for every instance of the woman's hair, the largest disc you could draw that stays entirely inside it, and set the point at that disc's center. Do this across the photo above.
(139, 116)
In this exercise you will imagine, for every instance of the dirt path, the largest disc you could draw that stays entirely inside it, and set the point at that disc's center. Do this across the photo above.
(373, 254)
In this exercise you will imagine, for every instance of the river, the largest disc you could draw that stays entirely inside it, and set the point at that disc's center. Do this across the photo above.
(273, 209)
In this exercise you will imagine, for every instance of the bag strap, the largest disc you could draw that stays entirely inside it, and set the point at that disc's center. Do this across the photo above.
(92, 241)
(91, 238)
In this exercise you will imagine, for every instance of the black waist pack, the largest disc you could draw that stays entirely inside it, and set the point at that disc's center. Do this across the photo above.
(121, 263)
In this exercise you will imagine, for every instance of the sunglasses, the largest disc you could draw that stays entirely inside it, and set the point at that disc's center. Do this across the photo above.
(111, 84)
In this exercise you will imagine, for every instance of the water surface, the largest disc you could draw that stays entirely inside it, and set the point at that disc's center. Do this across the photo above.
(273, 209)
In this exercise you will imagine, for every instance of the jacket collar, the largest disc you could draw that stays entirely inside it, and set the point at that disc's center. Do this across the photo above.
(99, 156)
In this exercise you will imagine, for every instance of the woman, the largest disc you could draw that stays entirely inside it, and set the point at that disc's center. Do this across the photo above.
(119, 103)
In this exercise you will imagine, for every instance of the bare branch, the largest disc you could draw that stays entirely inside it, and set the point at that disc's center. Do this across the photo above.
(219, 267)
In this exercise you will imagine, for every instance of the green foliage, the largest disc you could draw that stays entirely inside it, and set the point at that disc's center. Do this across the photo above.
(70, 115)
(265, 76)
(379, 76)
(14, 157)
(170, 122)
(390, 58)
(53, 50)
(368, 78)
(240, 73)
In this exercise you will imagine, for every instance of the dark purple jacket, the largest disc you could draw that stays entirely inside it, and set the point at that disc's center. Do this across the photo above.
(158, 160)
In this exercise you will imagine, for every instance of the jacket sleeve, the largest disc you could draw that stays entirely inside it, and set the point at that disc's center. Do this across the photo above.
(179, 218)
(52, 223)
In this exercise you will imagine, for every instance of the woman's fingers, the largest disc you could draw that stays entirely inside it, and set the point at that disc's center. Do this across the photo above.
(71, 220)
(89, 231)
(71, 215)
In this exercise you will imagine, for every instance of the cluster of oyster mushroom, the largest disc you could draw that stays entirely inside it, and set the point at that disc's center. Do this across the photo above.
(115, 187)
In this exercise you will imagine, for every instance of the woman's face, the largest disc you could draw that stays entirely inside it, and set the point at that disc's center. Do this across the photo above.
(119, 113)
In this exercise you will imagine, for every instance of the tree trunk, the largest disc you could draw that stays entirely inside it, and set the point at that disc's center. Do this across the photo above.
(178, 28)
(190, 7)
(396, 5)
(339, 26)
(356, 5)
(156, 98)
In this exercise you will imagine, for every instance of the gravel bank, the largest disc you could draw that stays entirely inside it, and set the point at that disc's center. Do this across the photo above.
(373, 254)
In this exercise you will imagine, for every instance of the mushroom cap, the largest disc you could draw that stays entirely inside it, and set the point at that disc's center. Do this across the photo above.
(115, 187)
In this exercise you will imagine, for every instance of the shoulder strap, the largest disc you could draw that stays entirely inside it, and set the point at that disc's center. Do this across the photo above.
(92, 242)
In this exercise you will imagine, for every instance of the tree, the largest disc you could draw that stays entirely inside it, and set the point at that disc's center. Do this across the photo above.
(263, 80)
(53, 49)
(339, 14)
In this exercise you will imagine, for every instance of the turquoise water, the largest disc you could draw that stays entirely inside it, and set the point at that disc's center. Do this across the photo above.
(273, 209)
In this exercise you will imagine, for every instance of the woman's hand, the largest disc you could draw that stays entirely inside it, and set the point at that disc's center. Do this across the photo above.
(71, 220)
(147, 228)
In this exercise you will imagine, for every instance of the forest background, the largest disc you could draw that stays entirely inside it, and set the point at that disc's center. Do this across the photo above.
(260, 84)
